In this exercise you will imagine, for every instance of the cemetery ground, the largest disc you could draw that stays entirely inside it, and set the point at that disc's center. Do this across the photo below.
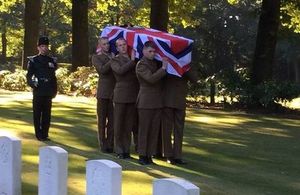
(228, 152)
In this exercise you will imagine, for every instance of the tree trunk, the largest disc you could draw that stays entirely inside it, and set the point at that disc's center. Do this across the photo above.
(80, 44)
(297, 69)
(159, 16)
(32, 22)
(212, 92)
(262, 69)
(4, 44)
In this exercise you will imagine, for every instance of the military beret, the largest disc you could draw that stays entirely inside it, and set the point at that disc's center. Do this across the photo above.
(43, 41)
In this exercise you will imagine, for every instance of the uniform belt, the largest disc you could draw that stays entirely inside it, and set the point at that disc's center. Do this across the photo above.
(44, 79)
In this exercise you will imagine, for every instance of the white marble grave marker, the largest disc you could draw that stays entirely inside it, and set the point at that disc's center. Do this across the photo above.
(103, 177)
(53, 171)
(174, 186)
(10, 165)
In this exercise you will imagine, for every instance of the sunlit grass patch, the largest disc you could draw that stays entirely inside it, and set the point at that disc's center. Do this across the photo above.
(227, 152)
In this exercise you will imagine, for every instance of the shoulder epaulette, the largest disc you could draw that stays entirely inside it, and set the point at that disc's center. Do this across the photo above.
(31, 58)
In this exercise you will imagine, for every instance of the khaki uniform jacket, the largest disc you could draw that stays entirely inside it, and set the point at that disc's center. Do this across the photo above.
(126, 88)
(106, 82)
(150, 79)
(175, 90)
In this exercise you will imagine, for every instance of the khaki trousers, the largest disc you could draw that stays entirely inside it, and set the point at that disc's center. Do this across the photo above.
(105, 123)
(124, 118)
(173, 123)
(149, 124)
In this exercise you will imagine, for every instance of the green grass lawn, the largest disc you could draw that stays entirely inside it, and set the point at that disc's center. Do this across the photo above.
(227, 152)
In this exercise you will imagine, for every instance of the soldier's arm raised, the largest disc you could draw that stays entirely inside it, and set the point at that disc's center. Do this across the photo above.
(102, 68)
(118, 69)
(147, 75)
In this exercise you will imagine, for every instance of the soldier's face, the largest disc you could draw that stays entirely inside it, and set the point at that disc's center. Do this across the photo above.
(121, 46)
(43, 49)
(104, 44)
(149, 53)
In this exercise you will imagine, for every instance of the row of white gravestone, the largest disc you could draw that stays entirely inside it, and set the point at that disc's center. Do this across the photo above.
(103, 177)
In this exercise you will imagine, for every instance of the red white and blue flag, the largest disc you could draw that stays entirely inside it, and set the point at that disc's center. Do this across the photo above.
(178, 50)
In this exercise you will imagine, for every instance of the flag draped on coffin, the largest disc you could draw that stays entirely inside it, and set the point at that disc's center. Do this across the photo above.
(177, 49)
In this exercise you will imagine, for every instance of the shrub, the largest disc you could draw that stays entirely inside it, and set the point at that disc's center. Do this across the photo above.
(15, 81)
(3, 73)
(84, 81)
(270, 93)
(233, 83)
(63, 80)
(236, 84)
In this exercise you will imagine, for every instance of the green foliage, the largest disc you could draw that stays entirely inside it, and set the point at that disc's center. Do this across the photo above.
(236, 84)
(11, 27)
(233, 83)
(198, 89)
(181, 14)
(63, 80)
(81, 82)
(15, 81)
(271, 92)
(5, 5)
(3, 73)
(84, 81)
(56, 23)
(290, 15)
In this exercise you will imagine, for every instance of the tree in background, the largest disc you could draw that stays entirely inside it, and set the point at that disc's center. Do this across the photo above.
(224, 35)
(31, 25)
(80, 43)
(263, 61)
(11, 16)
(110, 12)
(159, 15)
(55, 19)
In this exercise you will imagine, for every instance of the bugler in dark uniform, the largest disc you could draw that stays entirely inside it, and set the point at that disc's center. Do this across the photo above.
(41, 77)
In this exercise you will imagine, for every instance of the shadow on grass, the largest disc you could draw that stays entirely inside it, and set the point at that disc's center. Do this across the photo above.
(227, 152)
(258, 154)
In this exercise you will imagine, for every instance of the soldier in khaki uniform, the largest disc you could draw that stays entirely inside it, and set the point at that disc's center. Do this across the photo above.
(175, 91)
(106, 84)
(125, 93)
(149, 102)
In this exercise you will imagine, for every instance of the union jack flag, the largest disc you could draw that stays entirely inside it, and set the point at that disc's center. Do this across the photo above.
(178, 50)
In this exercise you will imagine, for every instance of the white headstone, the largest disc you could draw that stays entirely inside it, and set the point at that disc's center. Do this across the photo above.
(174, 186)
(103, 177)
(10, 165)
(53, 171)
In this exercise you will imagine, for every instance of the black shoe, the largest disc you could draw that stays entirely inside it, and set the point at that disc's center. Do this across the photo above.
(143, 160)
(150, 161)
(43, 139)
(179, 161)
(126, 155)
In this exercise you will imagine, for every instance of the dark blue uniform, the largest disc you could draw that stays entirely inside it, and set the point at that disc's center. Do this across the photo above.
(41, 77)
